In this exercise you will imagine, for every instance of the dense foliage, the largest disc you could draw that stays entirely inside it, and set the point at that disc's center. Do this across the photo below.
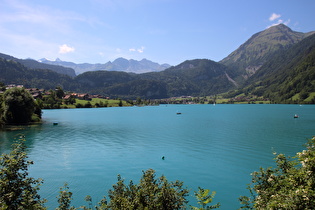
(18, 106)
(204, 198)
(291, 185)
(150, 193)
(18, 191)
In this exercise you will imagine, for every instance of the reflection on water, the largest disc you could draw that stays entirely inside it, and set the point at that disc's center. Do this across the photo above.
(214, 147)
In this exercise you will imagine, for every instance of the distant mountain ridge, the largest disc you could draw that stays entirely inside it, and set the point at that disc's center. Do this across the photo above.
(197, 77)
(260, 48)
(120, 64)
(277, 63)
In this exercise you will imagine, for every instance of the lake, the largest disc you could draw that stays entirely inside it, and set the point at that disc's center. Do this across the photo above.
(214, 147)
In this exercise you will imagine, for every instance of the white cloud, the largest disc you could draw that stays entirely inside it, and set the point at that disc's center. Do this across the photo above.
(279, 22)
(274, 16)
(139, 50)
(63, 49)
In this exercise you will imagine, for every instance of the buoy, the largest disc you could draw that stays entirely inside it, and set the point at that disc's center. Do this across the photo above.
(163, 158)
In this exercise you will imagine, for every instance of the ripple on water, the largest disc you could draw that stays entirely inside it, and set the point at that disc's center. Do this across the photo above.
(214, 147)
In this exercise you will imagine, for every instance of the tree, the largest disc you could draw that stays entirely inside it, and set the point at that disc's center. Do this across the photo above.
(2, 86)
(88, 105)
(71, 100)
(51, 101)
(59, 92)
(18, 106)
(17, 190)
(204, 198)
(304, 95)
(38, 107)
(1, 111)
(150, 193)
(64, 198)
(291, 185)
(120, 103)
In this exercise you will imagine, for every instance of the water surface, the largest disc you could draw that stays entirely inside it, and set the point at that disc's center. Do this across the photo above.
(215, 147)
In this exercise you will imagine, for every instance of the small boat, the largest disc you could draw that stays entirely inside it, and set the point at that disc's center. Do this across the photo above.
(178, 113)
(55, 123)
(296, 116)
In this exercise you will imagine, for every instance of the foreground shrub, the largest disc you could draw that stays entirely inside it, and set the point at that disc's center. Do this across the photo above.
(291, 185)
(17, 190)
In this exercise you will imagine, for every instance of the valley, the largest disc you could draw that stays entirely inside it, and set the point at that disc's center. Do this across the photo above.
(274, 65)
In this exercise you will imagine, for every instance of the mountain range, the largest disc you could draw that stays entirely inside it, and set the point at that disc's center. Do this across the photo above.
(120, 64)
(276, 63)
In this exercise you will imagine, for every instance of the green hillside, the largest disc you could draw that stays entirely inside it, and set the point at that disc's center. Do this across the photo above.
(32, 64)
(260, 48)
(198, 77)
(13, 72)
(289, 76)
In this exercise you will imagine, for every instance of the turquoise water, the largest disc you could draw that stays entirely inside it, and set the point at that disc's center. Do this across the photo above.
(215, 147)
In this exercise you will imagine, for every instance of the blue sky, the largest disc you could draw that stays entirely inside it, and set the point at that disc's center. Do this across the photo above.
(164, 31)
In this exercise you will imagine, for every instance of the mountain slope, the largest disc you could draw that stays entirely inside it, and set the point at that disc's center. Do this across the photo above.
(13, 72)
(29, 63)
(290, 73)
(261, 47)
(198, 77)
(94, 80)
(120, 64)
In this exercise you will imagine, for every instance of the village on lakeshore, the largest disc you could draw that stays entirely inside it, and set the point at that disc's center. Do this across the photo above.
(69, 99)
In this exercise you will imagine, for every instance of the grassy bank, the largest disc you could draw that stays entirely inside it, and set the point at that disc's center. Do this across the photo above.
(96, 102)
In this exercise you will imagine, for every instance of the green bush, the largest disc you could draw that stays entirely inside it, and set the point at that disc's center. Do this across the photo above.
(17, 190)
(290, 185)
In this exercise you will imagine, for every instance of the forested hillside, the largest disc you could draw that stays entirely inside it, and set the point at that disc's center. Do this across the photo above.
(260, 48)
(198, 77)
(13, 72)
(289, 76)
(195, 77)
(32, 64)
